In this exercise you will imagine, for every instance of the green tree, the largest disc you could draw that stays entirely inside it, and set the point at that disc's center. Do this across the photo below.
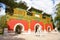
(57, 18)
(3, 21)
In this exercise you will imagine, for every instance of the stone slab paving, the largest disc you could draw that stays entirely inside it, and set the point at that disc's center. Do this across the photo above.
(33, 36)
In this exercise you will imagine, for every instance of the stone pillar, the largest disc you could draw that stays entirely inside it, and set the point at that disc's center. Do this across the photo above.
(5, 31)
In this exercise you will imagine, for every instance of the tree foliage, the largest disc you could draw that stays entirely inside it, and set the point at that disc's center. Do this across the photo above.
(57, 18)
(3, 23)
(10, 5)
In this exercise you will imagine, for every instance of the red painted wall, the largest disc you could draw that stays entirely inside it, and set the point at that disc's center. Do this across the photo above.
(13, 22)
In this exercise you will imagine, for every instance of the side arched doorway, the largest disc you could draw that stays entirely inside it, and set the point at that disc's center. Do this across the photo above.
(19, 28)
(48, 27)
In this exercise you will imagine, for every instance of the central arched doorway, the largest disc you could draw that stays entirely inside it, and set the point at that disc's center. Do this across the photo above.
(19, 28)
(48, 28)
(38, 28)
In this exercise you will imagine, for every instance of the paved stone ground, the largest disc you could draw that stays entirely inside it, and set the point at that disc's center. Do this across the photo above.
(33, 36)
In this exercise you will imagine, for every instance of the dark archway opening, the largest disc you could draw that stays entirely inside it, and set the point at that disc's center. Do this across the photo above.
(18, 29)
(49, 29)
(36, 28)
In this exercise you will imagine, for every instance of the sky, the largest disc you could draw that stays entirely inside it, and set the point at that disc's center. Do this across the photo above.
(45, 5)
(2, 9)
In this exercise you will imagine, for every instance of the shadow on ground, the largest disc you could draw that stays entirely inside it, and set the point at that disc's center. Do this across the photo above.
(2, 37)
